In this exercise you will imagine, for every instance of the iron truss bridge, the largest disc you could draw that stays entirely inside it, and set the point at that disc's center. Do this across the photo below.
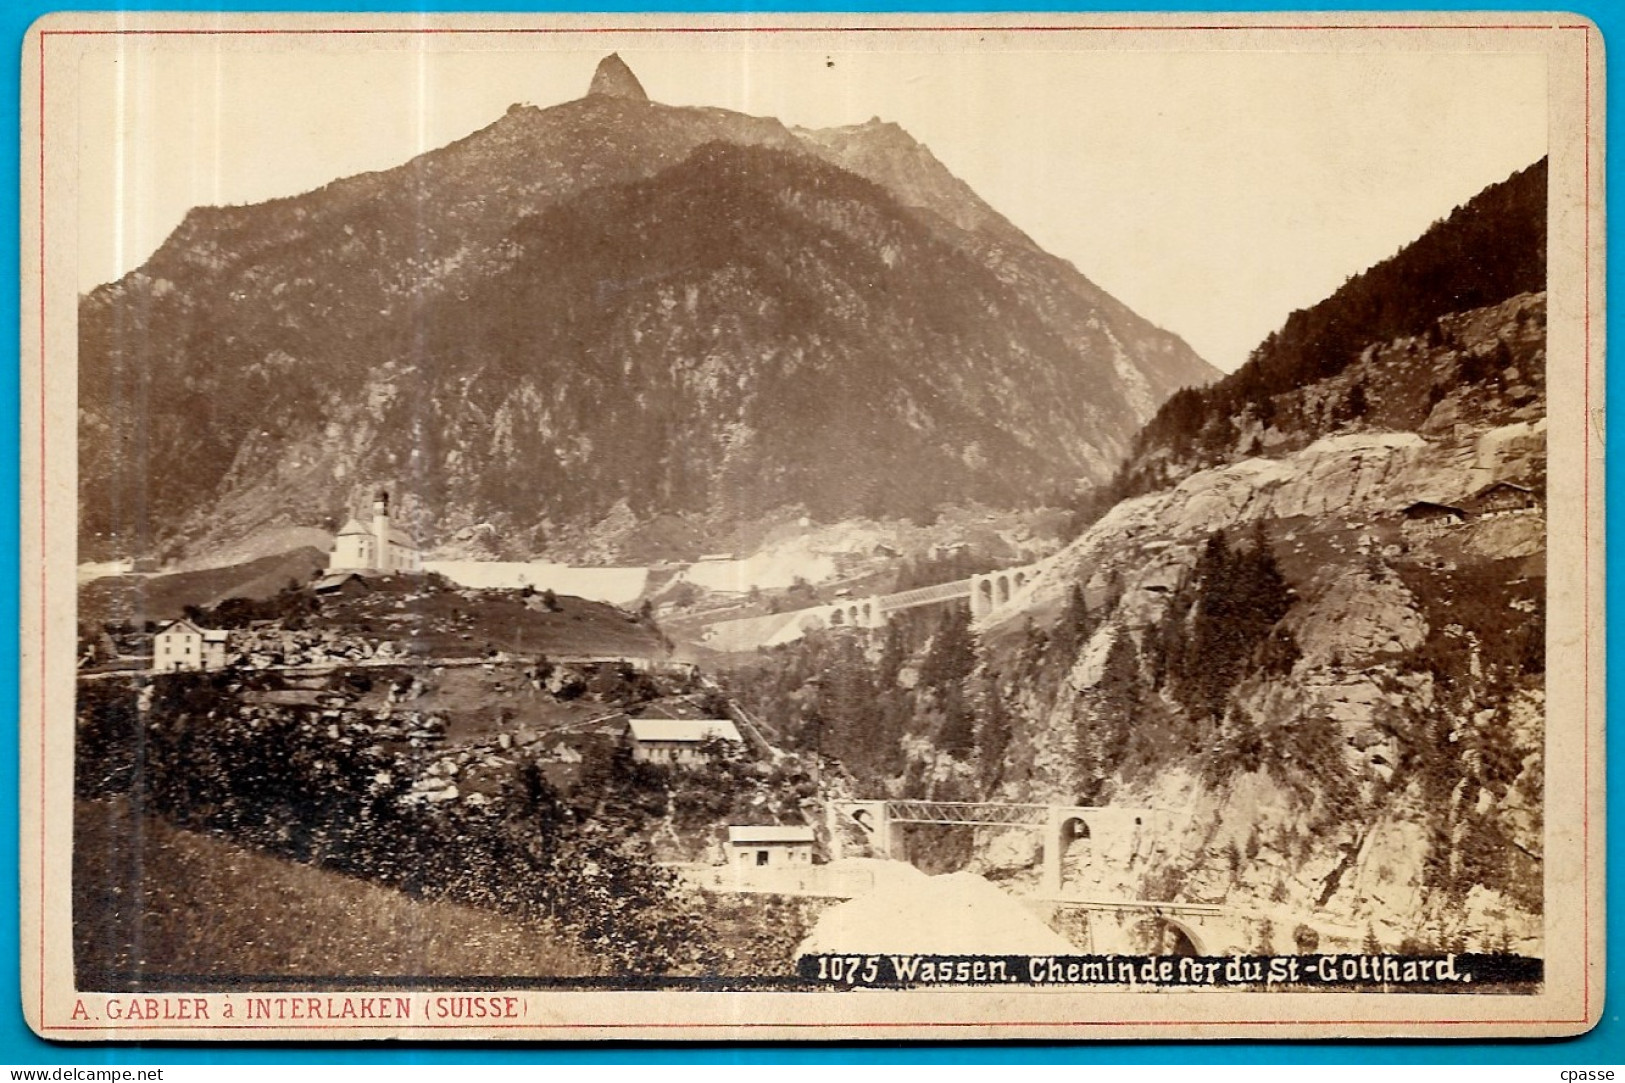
(966, 812)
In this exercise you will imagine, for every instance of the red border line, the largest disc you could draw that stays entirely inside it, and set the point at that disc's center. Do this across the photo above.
(1585, 525)
(43, 519)
(798, 1025)
(1585, 535)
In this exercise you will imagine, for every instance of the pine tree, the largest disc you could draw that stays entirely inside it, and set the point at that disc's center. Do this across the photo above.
(1120, 695)
(1073, 629)
(958, 735)
(952, 655)
(892, 656)
(994, 739)
(1240, 595)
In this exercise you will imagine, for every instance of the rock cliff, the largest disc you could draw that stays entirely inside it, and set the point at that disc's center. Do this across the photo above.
(1373, 770)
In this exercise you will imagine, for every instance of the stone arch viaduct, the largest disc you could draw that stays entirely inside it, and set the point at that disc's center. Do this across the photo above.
(1057, 826)
(993, 590)
(986, 593)
(1189, 928)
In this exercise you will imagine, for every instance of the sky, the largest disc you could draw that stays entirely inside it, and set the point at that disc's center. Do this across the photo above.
(1212, 190)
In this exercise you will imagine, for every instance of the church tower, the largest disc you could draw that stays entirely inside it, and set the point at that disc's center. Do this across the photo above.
(380, 531)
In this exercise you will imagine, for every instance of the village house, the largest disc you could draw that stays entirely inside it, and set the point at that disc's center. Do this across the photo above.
(770, 847)
(1504, 498)
(677, 741)
(182, 645)
(379, 547)
(342, 585)
(1425, 519)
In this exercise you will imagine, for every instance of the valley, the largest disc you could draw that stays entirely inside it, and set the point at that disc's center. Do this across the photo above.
(692, 550)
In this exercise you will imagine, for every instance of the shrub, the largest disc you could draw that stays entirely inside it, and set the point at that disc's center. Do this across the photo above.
(271, 779)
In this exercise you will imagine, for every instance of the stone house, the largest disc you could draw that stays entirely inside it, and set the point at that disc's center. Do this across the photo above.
(770, 847)
(1504, 497)
(677, 741)
(1426, 519)
(182, 645)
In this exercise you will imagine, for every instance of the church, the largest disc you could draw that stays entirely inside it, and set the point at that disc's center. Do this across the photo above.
(381, 547)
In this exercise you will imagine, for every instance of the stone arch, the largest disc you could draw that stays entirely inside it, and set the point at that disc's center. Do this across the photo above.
(1164, 935)
(984, 594)
(1075, 829)
(1183, 939)
(868, 612)
(1002, 589)
(836, 618)
(1021, 579)
(1073, 844)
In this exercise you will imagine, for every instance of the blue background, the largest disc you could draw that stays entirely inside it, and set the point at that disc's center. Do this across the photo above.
(18, 1045)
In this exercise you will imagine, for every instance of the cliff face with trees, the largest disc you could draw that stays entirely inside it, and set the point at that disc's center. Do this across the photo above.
(1491, 248)
(1312, 640)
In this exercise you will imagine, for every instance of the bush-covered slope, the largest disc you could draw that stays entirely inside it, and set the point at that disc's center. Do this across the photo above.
(1491, 248)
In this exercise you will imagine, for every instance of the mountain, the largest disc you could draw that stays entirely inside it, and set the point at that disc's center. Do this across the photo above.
(1316, 653)
(607, 309)
(1489, 249)
(1316, 627)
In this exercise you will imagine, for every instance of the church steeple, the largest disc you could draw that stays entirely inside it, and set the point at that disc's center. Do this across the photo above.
(380, 531)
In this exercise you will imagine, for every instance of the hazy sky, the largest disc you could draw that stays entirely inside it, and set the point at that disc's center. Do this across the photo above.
(1211, 191)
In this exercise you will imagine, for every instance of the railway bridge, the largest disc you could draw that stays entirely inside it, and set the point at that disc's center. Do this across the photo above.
(1115, 924)
(1058, 827)
(986, 593)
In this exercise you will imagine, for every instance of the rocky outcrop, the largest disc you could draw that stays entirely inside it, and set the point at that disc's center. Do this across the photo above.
(613, 79)
(1375, 769)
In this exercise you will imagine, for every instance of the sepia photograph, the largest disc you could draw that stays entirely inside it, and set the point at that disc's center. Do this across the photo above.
(812, 527)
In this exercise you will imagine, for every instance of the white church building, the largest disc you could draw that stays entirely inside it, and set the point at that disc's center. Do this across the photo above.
(381, 546)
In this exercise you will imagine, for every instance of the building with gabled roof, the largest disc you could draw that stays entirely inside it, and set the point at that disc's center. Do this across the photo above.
(181, 645)
(677, 741)
(382, 546)
(344, 584)
(1426, 518)
(770, 847)
(1504, 496)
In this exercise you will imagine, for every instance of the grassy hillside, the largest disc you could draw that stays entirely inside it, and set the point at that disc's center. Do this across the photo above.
(151, 900)
(437, 621)
(140, 598)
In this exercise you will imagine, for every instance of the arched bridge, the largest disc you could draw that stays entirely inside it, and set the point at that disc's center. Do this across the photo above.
(993, 590)
(1126, 926)
(1057, 826)
(986, 593)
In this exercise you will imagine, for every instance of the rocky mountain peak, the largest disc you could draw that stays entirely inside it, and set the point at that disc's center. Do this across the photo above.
(755, 269)
(614, 79)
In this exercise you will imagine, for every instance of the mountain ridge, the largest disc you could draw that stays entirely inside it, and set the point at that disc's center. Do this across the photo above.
(268, 312)
(1490, 248)
(1315, 621)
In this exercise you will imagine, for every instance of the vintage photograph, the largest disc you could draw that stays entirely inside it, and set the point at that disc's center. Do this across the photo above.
(714, 524)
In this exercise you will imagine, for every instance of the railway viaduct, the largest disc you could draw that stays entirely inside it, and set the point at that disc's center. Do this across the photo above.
(1188, 928)
(986, 594)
